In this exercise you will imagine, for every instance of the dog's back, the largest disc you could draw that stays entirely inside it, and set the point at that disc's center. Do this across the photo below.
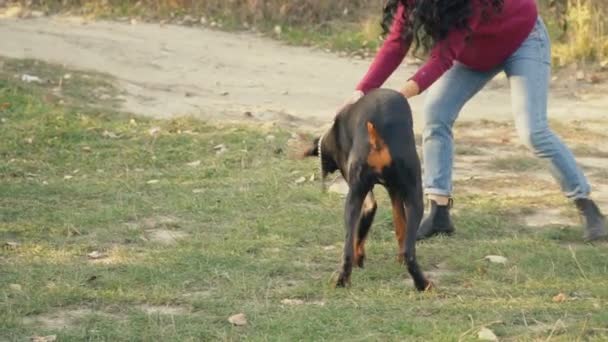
(391, 116)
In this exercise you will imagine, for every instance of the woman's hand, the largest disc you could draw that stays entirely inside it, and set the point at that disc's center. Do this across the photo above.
(410, 89)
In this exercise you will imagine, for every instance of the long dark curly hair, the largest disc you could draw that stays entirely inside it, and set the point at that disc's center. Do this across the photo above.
(430, 21)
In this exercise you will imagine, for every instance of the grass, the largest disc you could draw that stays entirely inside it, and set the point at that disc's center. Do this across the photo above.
(246, 237)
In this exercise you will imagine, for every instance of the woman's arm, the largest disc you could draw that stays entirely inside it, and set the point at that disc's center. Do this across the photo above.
(442, 57)
(388, 58)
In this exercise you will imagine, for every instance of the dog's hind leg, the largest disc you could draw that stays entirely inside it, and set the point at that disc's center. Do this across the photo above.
(365, 222)
(352, 215)
(414, 209)
(400, 222)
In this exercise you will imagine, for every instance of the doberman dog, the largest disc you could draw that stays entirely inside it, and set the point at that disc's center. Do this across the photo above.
(372, 142)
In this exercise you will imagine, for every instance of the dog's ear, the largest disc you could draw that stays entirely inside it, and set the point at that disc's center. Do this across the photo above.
(374, 138)
(303, 146)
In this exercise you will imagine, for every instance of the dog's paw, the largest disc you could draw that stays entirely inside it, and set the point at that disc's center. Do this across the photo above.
(426, 286)
(360, 260)
(343, 280)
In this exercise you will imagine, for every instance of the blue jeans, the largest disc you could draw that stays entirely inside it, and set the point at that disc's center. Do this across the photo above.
(528, 71)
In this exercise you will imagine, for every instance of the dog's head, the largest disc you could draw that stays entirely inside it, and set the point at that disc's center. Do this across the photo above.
(322, 147)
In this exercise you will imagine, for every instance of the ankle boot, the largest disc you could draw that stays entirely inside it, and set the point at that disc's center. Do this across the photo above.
(438, 221)
(595, 222)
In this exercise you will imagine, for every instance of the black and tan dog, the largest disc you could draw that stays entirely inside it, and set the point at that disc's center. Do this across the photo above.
(372, 142)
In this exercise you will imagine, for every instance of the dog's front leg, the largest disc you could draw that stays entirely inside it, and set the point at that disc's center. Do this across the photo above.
(352, 213)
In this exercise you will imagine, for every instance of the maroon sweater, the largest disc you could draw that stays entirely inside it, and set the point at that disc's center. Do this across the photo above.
(490, 43)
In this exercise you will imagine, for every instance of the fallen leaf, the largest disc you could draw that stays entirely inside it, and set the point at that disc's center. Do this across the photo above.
(36, 14)
(312, 178)
(92, 278)
(108, 134)
(15, 287)
(486, 334)
(29, 140)
(67, 76)
(300, 180)
(329, 248)
(292, 302)
(560, 298)
(497, 259)
(67, 177)
(198, 191)
(152, 181)
(194, 163)
(154, 130)
(5, 106)
(219, 149)
(96, 255)
(238, 319)
(49, 338)
(86, 148)
(30, 78)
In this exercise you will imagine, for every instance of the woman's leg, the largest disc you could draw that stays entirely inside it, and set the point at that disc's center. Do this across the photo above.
(442, 105)
(529, 70)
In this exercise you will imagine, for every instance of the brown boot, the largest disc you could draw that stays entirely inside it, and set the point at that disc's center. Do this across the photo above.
(595, 222)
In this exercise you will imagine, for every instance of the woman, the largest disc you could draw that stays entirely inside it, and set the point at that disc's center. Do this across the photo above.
(470, 41)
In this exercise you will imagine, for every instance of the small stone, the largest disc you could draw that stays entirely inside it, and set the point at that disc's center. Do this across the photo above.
(486, 334)
(580, 75)
(496, 259)
(96, 255)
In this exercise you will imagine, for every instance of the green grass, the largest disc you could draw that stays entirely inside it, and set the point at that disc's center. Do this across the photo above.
(251, 237)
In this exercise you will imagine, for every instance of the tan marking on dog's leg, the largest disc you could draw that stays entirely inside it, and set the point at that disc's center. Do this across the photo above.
(400, 223)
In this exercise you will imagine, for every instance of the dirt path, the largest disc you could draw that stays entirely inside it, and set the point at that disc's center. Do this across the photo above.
(171, 70)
